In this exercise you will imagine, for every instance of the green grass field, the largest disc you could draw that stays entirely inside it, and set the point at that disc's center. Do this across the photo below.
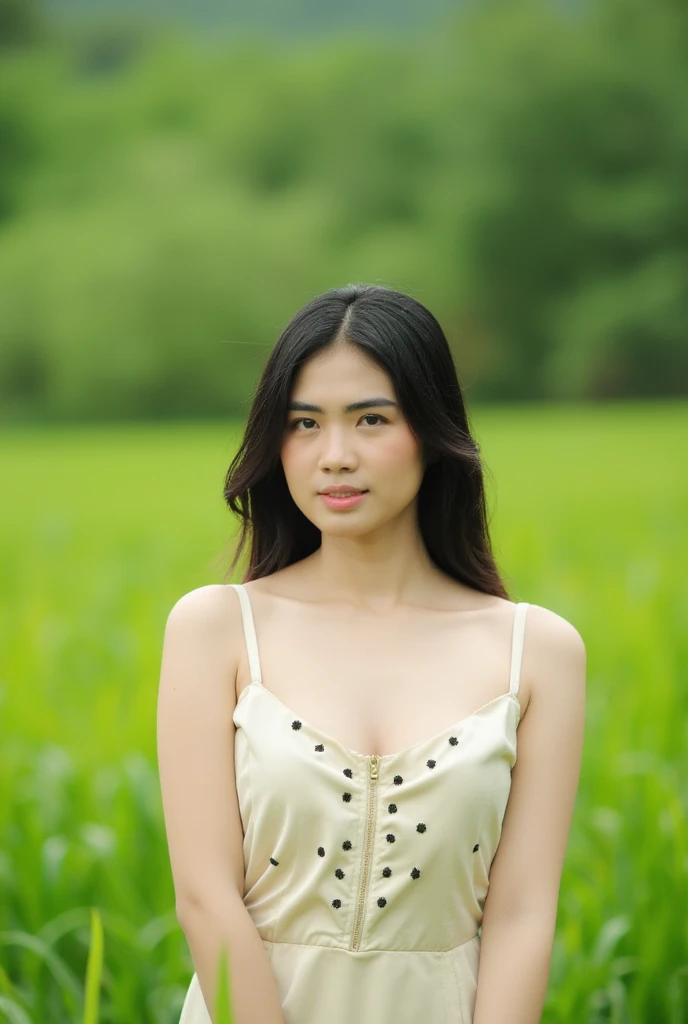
(103, 529)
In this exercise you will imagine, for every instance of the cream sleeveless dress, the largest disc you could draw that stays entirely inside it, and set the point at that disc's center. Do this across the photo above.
(366, 875)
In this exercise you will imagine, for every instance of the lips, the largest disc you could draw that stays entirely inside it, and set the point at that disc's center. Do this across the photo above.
(343, 501)
(345, 491)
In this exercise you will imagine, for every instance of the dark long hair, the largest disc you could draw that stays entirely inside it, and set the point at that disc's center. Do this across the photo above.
(406, 341)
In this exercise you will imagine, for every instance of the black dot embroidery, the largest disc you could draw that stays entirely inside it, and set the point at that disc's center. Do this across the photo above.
(349, 774)
(336, 903)
(273, 861)
(321, 852)
(296, 724)
(476, 847)
(392, 808)
(382, 902)
(415, 873)
(346, 845)
(420, 827)
(398, 780)
(346, 797)
(319, 747)
(431, 763)
(339, 873)
(453, 740)
(391, 838)
(386, 872)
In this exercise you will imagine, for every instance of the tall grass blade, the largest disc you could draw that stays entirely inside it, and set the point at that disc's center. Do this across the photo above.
(223, 1004)
(94, 969)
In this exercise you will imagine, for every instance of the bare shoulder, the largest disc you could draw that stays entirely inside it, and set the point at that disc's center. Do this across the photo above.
(213, 608)
(554, 657)
(207, 620)
(207, 607)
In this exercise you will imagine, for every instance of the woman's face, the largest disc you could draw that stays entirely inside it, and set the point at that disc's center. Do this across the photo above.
(370, 448)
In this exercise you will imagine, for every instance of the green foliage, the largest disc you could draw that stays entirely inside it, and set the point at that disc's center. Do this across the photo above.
(108, 527)
(20, 23)
(168, 206)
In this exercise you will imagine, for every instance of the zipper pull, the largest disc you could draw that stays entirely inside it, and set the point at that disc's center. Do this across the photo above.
(374, 763)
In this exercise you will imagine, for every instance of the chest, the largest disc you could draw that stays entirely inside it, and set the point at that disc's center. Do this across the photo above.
(380, 684)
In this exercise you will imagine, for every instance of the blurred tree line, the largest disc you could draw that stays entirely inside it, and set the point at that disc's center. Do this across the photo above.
(167, 205)
(275, 17)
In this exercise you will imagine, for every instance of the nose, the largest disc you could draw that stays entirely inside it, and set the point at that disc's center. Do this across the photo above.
(336, 451)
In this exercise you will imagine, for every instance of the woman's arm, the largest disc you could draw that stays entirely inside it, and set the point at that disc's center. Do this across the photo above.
(195, 737)
(521, 906)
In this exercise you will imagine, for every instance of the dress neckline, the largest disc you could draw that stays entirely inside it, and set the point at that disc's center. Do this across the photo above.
(255, 685)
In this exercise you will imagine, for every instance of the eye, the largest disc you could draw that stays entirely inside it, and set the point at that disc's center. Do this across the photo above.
(295, 423)
(367, 416)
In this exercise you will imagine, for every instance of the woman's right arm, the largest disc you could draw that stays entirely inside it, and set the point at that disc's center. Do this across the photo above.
(195, 740)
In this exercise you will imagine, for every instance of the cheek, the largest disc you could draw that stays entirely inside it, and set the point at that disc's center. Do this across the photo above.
(397, 451)
(290, 457)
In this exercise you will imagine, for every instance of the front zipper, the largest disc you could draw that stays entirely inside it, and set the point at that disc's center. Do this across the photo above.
(374, 760)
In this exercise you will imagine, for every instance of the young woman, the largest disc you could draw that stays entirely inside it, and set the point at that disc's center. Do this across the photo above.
(367, 736)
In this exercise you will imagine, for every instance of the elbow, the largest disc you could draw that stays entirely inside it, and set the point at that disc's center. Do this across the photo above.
(202, 906)
(182, 910)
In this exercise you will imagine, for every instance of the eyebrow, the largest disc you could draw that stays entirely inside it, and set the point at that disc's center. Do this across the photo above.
(365, 403)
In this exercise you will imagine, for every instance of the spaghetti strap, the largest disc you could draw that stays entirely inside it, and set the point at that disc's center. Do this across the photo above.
(517, 646)
(249, 632)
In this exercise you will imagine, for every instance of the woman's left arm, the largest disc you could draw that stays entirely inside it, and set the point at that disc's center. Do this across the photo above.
(521, 906)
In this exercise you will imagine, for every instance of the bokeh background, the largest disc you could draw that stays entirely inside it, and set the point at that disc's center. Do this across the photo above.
(175, 182)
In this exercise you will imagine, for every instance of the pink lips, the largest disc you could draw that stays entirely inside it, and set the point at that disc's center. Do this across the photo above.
(336, 502)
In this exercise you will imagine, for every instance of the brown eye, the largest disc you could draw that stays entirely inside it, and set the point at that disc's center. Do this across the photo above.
(367, 416)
